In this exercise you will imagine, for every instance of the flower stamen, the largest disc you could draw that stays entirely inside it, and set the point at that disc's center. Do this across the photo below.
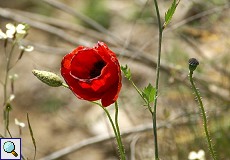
(96, 70)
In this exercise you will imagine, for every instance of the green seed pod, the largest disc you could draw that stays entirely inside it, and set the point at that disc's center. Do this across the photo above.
(48, 78)
(193, 63)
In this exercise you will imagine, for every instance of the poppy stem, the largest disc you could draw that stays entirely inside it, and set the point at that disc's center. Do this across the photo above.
(122, 150)
(115, 129)
(207, 134)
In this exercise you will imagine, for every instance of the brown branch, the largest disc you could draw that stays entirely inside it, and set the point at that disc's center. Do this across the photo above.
(170, 123)
(7, 13)
(190, 19)
(145, 59)
(130, 53)
(60, 23)
(199, 15)
(84, 18)
(104, 138)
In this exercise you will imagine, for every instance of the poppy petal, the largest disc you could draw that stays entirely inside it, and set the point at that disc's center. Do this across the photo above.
(93, 73)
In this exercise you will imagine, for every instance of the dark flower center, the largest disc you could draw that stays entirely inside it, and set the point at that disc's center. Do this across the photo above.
(96, 70)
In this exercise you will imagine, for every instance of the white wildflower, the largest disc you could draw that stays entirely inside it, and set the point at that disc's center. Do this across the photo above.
(20, 124)
(21, 29)
(2, 35)
(12, 29)
(12, 97)
(27, 48)
(15, 76)
(200, 155)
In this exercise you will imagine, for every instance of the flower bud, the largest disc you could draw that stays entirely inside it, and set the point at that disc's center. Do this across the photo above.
(48, 78)
(193, 63)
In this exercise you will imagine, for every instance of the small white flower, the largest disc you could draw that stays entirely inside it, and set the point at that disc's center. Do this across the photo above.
(12, 29)
(10, 26)
(27, 48)
(21, 29)
(20, 124)
(200, 155)
(2, 35)
(15, 76)
(12, 96)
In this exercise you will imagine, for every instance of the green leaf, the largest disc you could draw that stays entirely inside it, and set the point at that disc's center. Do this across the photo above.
(126, 71)
(32, 136)
(169, 13)
(149, 93)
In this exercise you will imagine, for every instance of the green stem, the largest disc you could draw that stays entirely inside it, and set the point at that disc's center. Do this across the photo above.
(8, 58)
(139, 92)
(118, 131)
(210, 146)
(65, 85)
(7, 118)
(157, 79)
(120, 146)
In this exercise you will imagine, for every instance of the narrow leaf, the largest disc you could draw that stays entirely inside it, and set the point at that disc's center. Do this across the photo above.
(32, 136)
(169, 14)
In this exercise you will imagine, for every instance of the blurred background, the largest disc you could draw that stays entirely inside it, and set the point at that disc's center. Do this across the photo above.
(60, 121)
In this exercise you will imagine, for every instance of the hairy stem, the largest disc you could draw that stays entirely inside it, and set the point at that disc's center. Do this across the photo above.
(118, 132)
(210, 146)
(120, 146)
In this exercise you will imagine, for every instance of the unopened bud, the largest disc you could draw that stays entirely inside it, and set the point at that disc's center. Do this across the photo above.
(48, 78)
(193, 63)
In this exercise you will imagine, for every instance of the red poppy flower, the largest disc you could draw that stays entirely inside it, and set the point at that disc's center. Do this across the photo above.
(93, 73)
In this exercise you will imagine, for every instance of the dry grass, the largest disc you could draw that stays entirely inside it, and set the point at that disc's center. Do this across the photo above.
(60, 120)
